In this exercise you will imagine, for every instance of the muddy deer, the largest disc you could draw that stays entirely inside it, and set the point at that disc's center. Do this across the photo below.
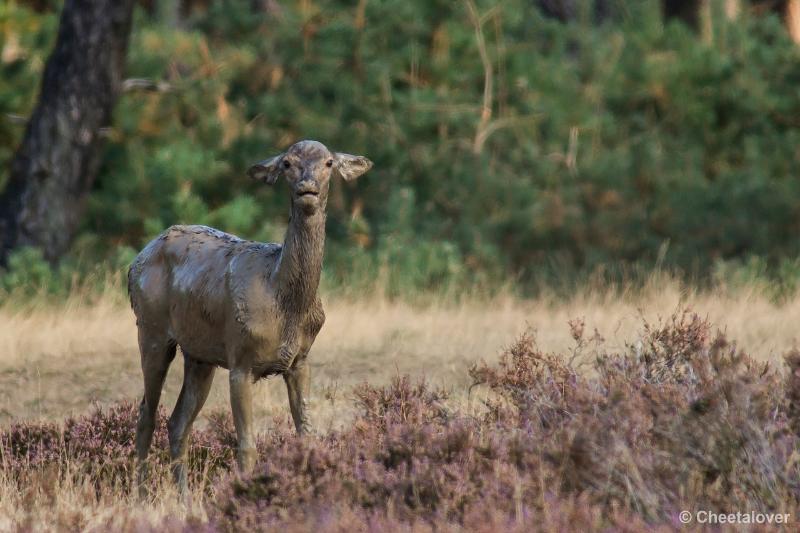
(246, 306)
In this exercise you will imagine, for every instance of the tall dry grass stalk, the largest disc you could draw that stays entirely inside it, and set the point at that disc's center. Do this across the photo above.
(55, 503)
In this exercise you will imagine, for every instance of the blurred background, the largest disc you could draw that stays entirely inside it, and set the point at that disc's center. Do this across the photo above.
(521, 143)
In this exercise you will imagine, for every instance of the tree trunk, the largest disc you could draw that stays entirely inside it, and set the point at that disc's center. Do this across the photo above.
(687, 11)
(150, 7)
(594, 11)
(732, 9)
(54, 167)
(793, 19)
(703, 15)
(40, 6)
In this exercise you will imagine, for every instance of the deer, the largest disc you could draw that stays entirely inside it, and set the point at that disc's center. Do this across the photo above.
(249, 307)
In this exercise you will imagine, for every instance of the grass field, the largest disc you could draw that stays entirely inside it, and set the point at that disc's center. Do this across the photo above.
(60, 360)
(57, 360)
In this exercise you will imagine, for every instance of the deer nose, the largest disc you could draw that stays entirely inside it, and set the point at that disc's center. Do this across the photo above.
(307, 187)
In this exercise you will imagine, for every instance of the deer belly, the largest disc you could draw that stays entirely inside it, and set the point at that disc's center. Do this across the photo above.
(200, 338)
(203, 346)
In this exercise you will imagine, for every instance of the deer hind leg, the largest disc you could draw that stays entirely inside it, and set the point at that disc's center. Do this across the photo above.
(197, 379)
(157, 352)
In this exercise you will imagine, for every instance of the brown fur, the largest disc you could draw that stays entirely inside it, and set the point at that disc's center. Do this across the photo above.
(246, 306)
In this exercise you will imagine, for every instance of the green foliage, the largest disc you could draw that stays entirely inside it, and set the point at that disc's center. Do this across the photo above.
(27, 269)
(23, 37)
(29, 278)
(614, 146)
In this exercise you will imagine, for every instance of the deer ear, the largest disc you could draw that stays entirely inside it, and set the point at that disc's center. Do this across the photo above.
(267, 170)
(349, 167)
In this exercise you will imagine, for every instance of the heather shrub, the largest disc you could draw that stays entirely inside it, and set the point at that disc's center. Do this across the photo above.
(400, 403)
(100, 446)
(680, 419)
(27, 444)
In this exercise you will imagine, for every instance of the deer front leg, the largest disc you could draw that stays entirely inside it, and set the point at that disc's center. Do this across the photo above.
(298, 384)
(241, 384)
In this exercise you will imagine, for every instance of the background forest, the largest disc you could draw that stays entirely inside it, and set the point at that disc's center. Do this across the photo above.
(514, 141)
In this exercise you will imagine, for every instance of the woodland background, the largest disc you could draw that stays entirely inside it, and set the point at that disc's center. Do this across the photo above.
(515, 142)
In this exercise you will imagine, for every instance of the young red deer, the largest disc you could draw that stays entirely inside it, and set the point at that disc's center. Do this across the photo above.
(246, 306)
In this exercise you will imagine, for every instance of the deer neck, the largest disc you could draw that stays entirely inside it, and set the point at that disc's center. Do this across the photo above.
(298, 271)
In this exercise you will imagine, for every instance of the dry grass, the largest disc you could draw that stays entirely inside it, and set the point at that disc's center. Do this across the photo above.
(60, 360)
(74, 504)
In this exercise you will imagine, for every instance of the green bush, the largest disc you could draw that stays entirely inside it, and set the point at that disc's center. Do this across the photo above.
(27, 270)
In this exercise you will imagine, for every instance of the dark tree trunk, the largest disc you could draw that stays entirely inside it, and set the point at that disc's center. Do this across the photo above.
(565, 10)
(40, 6)
(58, 159)
(562, 10)
(687, 11)
(150, 7)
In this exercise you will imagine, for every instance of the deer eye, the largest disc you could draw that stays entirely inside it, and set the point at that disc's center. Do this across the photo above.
(329, 163)
(286, 164)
